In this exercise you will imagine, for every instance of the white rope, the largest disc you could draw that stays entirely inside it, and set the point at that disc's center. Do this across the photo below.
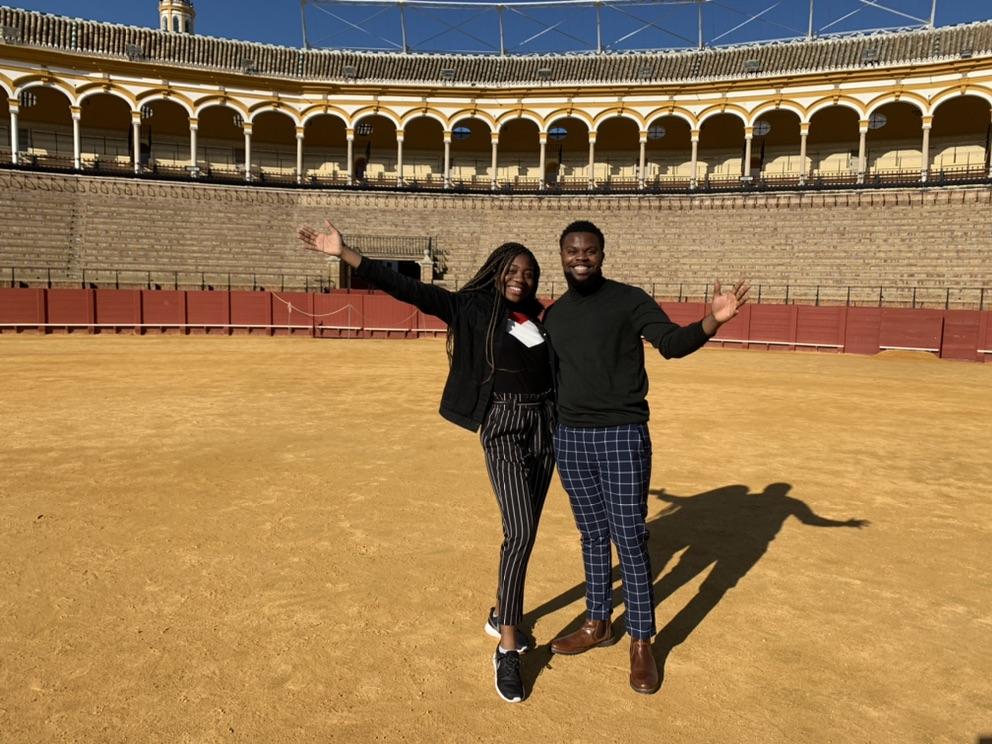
(293, 308)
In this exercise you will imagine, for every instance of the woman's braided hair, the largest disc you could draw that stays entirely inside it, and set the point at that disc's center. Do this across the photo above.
(489, 278)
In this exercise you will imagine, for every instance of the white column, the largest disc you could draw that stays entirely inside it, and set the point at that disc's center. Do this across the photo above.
(748, 139)
(592, 160)
(136, 137)
(247, 128)
(990, 159)
(925, 164)
(350, 136)
(542, 141)
(447, 160)
(495, 159)
(803, 134)
(76, 138)
(643, 141)
(14, 107)
(300, 131)
(693, 174)
(399, 157)
(194, 126)
(862, 142)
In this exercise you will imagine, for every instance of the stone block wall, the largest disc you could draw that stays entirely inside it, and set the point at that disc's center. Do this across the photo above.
(935, 238)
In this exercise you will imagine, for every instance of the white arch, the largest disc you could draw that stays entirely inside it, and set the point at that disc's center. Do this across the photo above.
(625, 114)
(65, 90)
(313, 114)
(266, 108)
(518, 115)
(917, 102)
(221, 102)
(421, 114)
(171, 99)
(107, 92)
(763, 109)
(839, 102)
(950, 95)
(719, 109)
(469, 115)
(386, 114)
(675, 113)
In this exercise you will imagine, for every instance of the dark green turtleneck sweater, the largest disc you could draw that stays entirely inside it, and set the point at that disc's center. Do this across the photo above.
(597, 336)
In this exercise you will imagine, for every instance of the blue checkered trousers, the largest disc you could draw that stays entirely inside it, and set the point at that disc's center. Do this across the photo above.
(606, 472)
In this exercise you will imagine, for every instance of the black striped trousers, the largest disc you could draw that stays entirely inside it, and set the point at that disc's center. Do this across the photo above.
(517, 439)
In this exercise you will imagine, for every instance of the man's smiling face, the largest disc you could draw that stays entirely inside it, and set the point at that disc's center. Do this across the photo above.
(581, 257)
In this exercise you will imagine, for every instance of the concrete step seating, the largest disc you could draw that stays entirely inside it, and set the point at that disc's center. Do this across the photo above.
(193, 235)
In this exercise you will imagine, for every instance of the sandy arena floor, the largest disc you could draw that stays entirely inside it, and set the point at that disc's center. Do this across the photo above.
(278, 540)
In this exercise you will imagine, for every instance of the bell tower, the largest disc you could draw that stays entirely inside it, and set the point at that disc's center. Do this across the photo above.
(176, 16)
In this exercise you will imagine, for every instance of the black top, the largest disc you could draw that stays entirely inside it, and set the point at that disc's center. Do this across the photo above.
(596, 337)
(469, 387)
(521, 369)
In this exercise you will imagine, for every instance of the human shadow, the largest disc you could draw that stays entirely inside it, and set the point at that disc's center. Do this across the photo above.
(726, 530)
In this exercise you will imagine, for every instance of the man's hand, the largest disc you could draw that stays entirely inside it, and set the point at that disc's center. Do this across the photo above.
(329, 242)
(726, 305)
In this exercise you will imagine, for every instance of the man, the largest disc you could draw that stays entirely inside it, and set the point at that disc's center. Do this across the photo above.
(602, 441)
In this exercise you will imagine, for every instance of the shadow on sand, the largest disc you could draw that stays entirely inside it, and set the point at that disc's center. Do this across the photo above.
(728, 529)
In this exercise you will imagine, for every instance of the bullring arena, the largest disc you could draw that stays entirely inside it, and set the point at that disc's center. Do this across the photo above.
(230, 511)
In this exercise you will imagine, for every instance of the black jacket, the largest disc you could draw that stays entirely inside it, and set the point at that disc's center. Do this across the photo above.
(469, 386)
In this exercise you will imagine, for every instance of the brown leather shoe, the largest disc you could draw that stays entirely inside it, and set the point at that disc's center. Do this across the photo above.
(643, 668)
(592, 633)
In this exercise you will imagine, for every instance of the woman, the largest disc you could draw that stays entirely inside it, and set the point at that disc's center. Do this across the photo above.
(500, 378)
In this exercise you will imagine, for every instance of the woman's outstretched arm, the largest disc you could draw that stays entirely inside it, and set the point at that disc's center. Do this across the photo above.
(430, 299)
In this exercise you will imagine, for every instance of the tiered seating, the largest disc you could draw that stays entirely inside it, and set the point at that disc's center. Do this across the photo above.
(127, 234)
(798, 246)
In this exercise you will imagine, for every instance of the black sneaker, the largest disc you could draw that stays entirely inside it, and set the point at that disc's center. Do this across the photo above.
(492, 629)
(509, 686)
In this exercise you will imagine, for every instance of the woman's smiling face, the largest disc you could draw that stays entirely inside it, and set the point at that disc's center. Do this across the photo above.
(518, 282)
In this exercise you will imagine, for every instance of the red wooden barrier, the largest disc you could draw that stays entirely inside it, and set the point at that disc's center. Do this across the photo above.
(71, 310)
(292, 313)
(251, 312)
(208, 312)
(385, 317)
(985, 337)
(861, 332)
(430, 324)
(821, 328)
(954, 334)
(22, 307)
(913, 330)
(116, 309)
(163, 311)
(339, 315)
(684, 313)
(961, 335)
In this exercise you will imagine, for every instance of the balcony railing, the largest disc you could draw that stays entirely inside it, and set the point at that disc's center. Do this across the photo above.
(707, 183)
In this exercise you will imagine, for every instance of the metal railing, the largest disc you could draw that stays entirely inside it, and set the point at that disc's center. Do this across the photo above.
(707, 183)
(913, 296)
(865, 295)
(158, 279)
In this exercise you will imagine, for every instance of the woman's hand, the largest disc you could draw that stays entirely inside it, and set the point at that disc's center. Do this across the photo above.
(329, 242)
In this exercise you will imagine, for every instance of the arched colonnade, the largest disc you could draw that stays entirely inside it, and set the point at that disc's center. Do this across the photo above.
(835, 137)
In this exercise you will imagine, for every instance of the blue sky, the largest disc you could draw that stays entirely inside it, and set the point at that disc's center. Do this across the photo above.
(278, 22)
